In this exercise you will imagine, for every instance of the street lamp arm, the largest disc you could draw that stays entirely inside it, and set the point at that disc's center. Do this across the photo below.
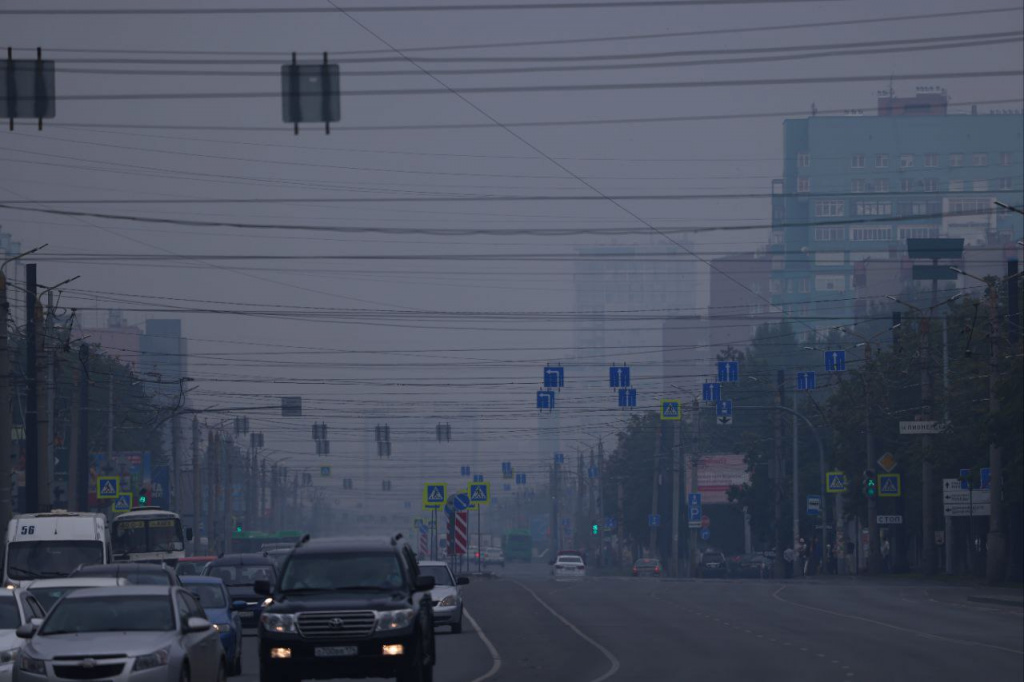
(22, 255)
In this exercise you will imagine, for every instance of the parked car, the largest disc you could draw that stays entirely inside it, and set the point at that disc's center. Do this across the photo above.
(222, 612)
(494, 556)
(648, 567)
(17, 607)
(713, 565)
(240, 572)
(151, 632)
(750, 566)
(446, 597)
(135, 574)
(47, 592)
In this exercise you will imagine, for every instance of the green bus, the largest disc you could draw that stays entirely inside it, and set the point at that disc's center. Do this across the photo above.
(518, 546)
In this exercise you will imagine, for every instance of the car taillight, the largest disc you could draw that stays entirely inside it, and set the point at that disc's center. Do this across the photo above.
(657, 569)
(634, 570)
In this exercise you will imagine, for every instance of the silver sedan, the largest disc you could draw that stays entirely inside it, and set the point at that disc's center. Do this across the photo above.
(142, 634)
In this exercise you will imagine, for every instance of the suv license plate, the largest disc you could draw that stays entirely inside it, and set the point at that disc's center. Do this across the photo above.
(336, 651)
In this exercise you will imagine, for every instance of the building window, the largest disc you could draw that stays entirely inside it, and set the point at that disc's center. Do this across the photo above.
(956, 160)
(775, 286)
(858, 161)
(931, 185)
(979, 186)
(881, 233)
(931, 160)
(968, 206)
(979, 159)
(873, 208)
(830, 283)
(906, 185)
(906, 160)
(803, 185)
(882, 185)
(956, 185)
(881, 160)
(804, 286)
(917, 232)
(857, 186)
(1005, 158)
(829, 234)
(803, 160)
(1005, 184)
(829, 208)
(777, 237)
(778, 263)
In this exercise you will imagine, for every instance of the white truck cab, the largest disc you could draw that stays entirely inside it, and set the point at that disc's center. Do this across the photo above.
(53, 544)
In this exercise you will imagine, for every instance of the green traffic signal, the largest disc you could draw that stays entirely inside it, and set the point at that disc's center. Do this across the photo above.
(595, 529)
(143, 497)
(870, 484)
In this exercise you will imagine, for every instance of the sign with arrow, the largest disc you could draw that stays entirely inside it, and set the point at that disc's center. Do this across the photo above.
(728, 372)
(711, 393)
(554, 377)
(835, 361)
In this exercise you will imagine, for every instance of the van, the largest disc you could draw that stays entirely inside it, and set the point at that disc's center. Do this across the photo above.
(53, 544)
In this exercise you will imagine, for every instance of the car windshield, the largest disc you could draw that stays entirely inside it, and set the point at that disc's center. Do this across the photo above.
(47, 597)
(139, 536)
(210, 596)
(9, 616)
(570, 560)
(109, 614)
(50, 559)
(129, 574)
(238, 575)
(355, 571)
(440, 574)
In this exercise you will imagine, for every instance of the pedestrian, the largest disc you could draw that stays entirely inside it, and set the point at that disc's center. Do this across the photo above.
(801, 553)
(885, 555)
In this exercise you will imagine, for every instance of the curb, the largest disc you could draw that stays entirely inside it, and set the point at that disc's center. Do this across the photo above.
(996, 600)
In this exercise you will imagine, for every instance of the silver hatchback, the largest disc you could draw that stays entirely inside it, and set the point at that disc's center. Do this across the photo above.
(142, 634)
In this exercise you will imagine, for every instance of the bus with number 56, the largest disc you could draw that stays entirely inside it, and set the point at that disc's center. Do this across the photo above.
(53, 544)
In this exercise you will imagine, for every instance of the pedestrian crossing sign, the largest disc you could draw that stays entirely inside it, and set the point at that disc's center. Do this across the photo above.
(107, 487)
(835, 482)
(480, 493)
(123, 503)
(670, 410)
(433, 495)
(889, 485)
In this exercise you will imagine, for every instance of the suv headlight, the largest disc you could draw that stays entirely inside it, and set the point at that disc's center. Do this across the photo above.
(31, 665)
(278, 622)
(153, 660)
(394, 620)
(447, 601)
(8, 655)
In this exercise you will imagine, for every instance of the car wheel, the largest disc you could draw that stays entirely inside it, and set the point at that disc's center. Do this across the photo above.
(222, 671)
(186, 674)
(457, 626)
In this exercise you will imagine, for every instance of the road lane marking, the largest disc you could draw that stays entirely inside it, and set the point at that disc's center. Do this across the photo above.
(496, 665)
(919, 633)
(615, 665)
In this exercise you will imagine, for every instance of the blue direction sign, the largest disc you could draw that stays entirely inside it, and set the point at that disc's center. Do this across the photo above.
(723, 408)
(433, 495)
(711, 393)
(506, 487)
(728, 372)
(609, 523)
(654, 520)
(965, 479)
(464, 470)
(618, 377)
(123, 503)
(545, 400)
(889, 485)
(671, 410)
(835, 482)
(478, 478)
(705, 534)
(480, 493)
(592, 472)
(554, 377)
(693, 499)
(835, 361)
(506, 467)
(461, 501)
(627, 397)
(986, 478)
(693, 507)
(107, 487)
(813, 505)
(805, 381)
(520, 479)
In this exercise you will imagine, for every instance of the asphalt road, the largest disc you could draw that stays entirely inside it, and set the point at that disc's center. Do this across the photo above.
(535, 629)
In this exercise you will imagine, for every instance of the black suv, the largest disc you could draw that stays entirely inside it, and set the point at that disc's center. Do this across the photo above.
(348, 607)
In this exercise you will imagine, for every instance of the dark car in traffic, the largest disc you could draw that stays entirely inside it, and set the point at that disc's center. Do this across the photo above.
(713, 565)
(132, 573)
(647, 567)
(240, 572)
(750, 566)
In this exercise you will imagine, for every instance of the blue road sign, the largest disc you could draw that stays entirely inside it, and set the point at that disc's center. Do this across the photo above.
(693, 499)
(723, 408)
(478, 478)
(711, 393)
(554, 377)
(461, 502)
(618, 377)
(728, 372)
(813, 505)
(480, 493)
(592, 472)
(506, 467)
(805, 381)
(671, 409)
(520, 479)
(107, 487)
(986, 478)
(123, 503)
(835, 482)
(545, 400)
(705, 534)
(835, 361)
(464, 470)
(654, 520)
(559, 458)
(889, 485)
(433, 495)
(325, 471)
(693, 513)
(627, 397)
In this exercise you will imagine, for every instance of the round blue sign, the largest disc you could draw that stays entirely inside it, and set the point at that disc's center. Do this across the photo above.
(705, 533)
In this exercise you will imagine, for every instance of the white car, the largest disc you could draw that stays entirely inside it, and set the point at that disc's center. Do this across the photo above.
(17, 607)
(445, 596)
(569, 566)
(48, 591)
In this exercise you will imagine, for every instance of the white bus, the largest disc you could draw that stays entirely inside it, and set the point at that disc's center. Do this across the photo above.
(148, 534)
(53, 544)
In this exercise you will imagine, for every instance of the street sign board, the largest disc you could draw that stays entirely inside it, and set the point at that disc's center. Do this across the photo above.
(693, 499)
(123, 503)
(890, 519)
(107, 487)
(433, 495)
(654, 520)
(627, 397)
(693, 510)
(813, 505)
(478, 478)
(724, 420)
(723, 408)
(835, 482)
(461, 501)
(545, 400)
(958, 502)
(559, 458)
(705, 521)
(835, 361)
(965, 479)
(889, 485)
(671, 410)
(728, 372)
(618, 377)
(711, 393)
(916, 428)
(554, 377)
(705, 534)
(480, 493)
(805, 381)
(887, 462)
(986, 478)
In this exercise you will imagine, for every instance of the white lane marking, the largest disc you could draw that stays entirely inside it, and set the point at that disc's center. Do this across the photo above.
(919, 633)
(496, 666)
(615, 665)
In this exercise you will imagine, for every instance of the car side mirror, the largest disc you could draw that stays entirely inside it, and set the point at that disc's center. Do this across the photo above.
(195, 624)
(425, 582)
(189, 535)
(238, 605)
(261, 587)
(26, 631)
(462, 580)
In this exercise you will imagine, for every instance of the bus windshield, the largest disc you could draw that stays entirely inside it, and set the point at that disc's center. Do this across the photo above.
(142, 536)
(51, 559)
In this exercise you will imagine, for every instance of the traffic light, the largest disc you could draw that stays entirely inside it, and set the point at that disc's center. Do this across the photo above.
(594, 529)
(870, 484)
(143, 497)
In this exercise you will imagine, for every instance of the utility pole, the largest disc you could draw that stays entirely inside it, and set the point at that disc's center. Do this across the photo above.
(796, 483)
(226, 446)
(197, 490)
(6, 508)
(654, 491)
(692, 486)
(175, 479)
(263, 496)
(780, 561)
(81, 456)
(579, 498)
(874, 546)
(31, 395)
(676, 454)
(74, 504)
(927, 475)
(211, 491)
(555, 532)
(110, 414)
(46, 350)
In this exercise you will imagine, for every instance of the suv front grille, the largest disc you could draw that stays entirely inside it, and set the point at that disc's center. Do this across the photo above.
(336, 624)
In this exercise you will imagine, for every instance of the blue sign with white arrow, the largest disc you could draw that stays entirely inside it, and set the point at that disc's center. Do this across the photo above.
(554, 377)
(723, 408)
(627, 397)
(559, 458)
(520, 479)
(805, 381)
(711, 393)
(835, 361)
(545, 400)
(464, 471)
(618, 377)
(461, 501)
(705, 534)
(728, 372)
(654, 520)
(592, 472)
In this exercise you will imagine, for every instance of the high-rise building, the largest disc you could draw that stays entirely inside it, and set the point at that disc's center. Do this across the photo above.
(855, 187)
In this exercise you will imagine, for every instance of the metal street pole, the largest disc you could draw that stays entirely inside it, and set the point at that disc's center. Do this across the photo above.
(6, 510)
(874, 546)
(654, 493)
(796, 481)
(31, 398)
(197, 500)
(676, 446)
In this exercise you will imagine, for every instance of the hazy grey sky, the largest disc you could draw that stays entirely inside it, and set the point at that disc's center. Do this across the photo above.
(482, 366)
